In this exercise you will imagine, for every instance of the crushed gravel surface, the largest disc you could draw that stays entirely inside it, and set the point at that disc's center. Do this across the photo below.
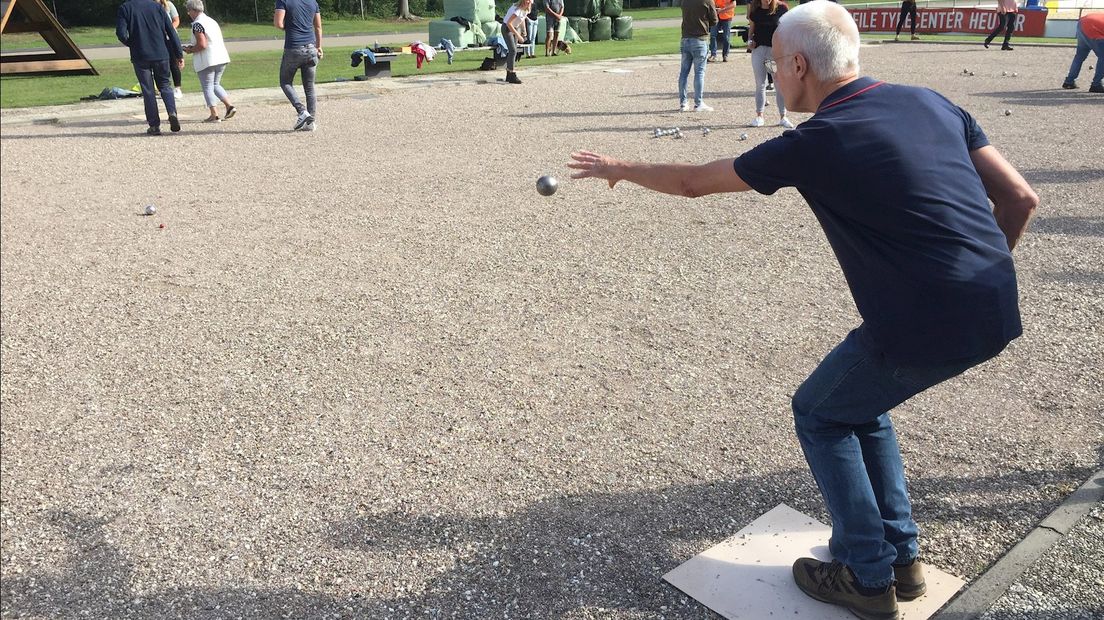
(1065, 584)
(370, 372)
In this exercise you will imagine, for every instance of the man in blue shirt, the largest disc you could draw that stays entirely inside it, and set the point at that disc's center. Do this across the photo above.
(302, 25)
(144, 27)
(928, 262)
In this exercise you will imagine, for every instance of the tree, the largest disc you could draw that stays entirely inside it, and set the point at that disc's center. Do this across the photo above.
(404, 11)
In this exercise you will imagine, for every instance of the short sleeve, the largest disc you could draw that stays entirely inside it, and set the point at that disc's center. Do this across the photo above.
(281, 5)
(975, 137)
(772, 165)
(197, 28)
(172, 11)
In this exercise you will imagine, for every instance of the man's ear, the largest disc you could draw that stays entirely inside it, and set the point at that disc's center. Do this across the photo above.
(801, 66)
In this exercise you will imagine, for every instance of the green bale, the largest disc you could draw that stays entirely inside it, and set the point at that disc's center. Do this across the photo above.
(622, 28)
(601, 28)
(484, 11)
(570, 36)
(612, 8)
(542, 29)
(461, 8)
(490, 29)
(581, 26)
(582, 8)
(452, 31)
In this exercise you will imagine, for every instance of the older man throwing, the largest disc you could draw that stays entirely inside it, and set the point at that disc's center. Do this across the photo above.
(928, 261)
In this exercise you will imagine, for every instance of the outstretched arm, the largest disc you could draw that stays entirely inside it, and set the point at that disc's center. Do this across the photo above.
(677, 179)
(1014, 201)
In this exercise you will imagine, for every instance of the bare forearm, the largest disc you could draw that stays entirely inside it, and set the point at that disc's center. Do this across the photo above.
(1014, 201)
(1013, 217)
(674, 179)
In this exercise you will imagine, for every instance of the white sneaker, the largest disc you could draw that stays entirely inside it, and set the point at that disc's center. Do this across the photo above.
(312, 125)
(785, 122)
(703, 108)
(303, 118)
(684, 107)
(758, 122)
(178, 94)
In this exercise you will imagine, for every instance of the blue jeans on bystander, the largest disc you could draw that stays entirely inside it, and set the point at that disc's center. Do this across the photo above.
(148, 73)
(841, 412)
(303, 58)
(693, 54)
(1084, 45)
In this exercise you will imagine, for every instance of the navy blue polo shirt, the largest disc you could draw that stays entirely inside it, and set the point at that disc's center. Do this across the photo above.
(886, 170)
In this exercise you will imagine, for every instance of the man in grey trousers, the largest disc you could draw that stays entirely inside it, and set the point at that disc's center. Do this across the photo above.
(302, 25)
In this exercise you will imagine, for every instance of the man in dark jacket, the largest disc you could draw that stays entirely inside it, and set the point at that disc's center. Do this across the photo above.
(144, 27)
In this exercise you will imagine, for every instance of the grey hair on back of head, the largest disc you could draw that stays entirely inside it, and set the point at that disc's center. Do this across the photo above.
(826, 35)
(194, 5)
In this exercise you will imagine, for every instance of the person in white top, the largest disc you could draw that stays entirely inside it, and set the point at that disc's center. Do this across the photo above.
(174, 17)
(513, 31)
(210, 60)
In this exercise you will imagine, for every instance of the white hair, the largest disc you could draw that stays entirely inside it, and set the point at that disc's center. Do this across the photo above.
(194, 5)
(826, 35)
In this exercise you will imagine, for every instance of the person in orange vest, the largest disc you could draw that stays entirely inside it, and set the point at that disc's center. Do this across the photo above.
(1090, 37)
(726, 10)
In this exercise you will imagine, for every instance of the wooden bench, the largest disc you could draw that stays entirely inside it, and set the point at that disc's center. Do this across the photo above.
(382, 66)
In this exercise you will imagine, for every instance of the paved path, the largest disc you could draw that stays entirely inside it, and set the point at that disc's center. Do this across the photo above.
(107, 52)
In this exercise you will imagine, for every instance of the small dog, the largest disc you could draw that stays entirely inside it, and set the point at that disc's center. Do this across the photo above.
(563, 47)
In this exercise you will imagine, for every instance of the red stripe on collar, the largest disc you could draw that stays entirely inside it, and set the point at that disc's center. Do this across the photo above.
(854, 94)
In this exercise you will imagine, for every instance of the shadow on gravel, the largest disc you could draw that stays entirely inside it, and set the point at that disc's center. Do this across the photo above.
(549, 560)
(1079, 278)
(139, 132)
(1045, 98)
(691, 126)
(1044, 176)
(1088, 226)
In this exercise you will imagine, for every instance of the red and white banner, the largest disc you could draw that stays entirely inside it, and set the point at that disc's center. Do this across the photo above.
(936, 20)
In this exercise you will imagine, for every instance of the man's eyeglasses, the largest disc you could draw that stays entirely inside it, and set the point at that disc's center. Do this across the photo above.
(772, 64)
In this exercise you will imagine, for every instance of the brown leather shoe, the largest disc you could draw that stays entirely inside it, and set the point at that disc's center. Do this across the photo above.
(910, 580)
(834, 583)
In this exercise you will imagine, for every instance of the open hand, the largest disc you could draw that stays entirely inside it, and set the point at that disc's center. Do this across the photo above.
(593, 165)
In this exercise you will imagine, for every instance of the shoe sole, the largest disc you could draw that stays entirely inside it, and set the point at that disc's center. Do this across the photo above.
(910, 594)
(231, 113)
(858, 612)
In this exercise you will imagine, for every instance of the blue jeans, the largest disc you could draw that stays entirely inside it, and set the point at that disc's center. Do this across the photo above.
(210, 80)
(841, 412)
(306, 58)
(1084, 45)
(147, 73)
(693, 53)
(722, 31)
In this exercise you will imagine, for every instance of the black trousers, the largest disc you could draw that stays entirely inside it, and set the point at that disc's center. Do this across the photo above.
(907, 8)
(175, 70)
(1006, 21)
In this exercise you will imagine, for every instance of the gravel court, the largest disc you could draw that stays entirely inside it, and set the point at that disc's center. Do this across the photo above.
(370, 372)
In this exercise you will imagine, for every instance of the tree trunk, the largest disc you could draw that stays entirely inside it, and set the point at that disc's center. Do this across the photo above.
(404, 11)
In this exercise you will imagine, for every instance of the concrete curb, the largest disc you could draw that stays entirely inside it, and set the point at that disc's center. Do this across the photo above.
(979, 596)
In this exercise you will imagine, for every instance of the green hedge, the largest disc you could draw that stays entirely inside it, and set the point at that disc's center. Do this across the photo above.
(102, 12)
